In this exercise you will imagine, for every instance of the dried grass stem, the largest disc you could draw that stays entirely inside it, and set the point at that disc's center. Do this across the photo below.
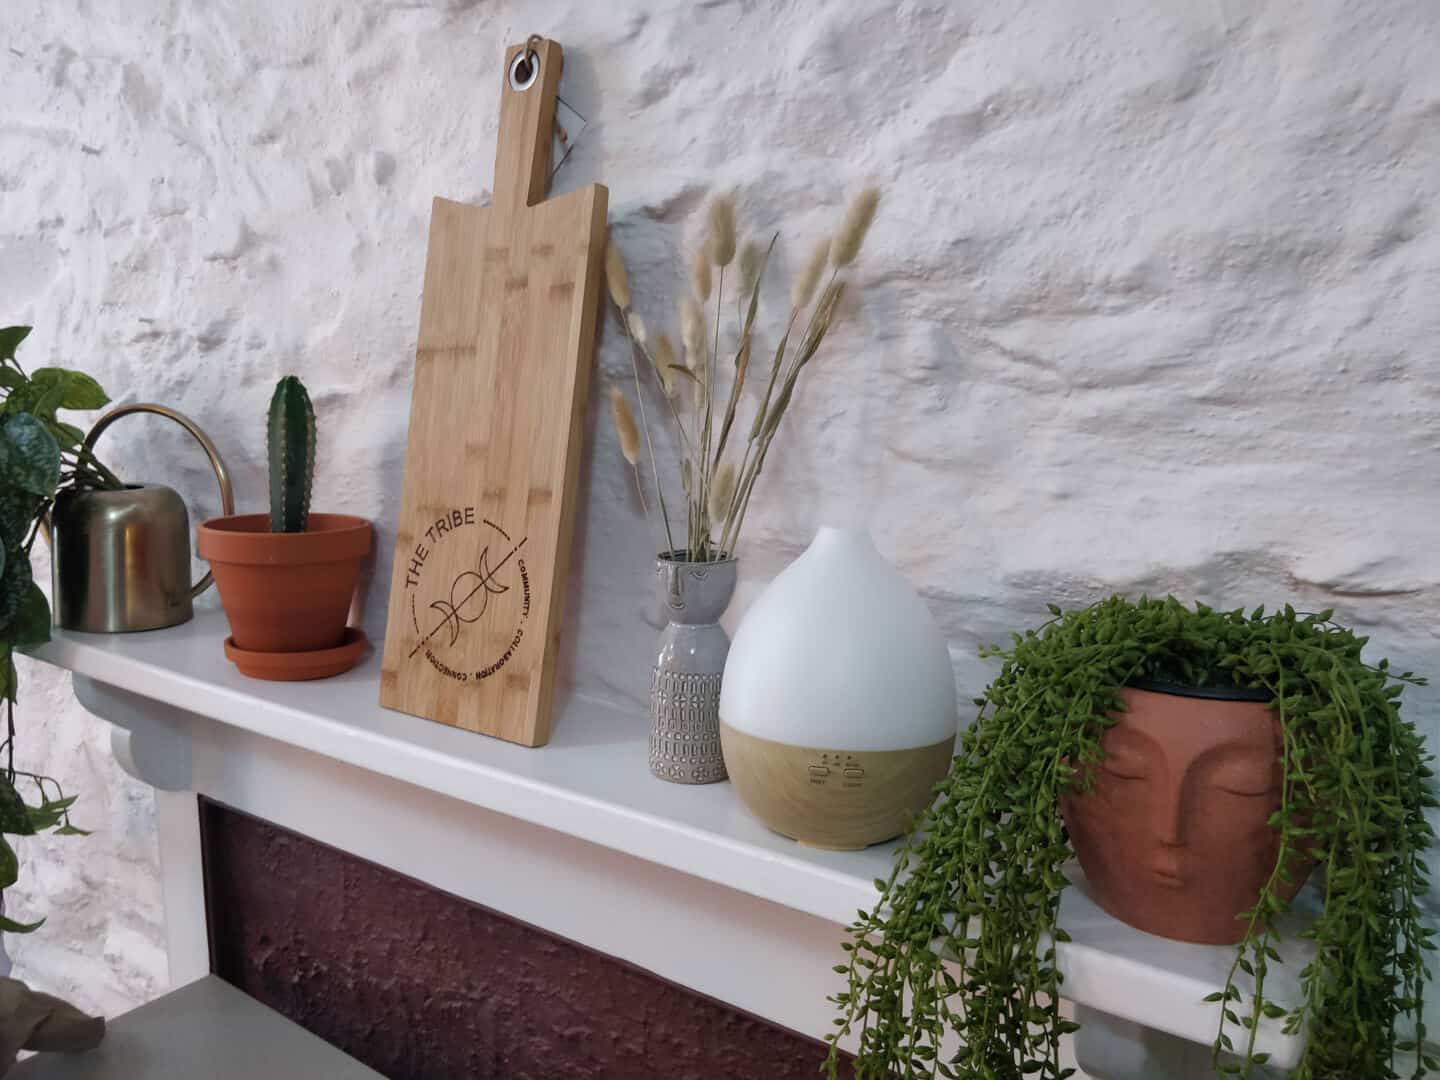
(717, 490)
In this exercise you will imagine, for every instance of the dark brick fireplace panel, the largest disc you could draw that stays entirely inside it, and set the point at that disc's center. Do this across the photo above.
(422, 985)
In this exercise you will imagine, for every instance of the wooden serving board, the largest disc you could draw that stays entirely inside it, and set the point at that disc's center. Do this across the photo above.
(502, 372)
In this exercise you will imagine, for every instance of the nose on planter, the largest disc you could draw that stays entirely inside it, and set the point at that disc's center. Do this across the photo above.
(286, 592)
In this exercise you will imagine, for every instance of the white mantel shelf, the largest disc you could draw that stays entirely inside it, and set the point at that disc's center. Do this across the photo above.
(592, 782)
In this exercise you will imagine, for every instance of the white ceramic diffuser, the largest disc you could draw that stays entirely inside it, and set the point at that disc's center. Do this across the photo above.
(837, 710)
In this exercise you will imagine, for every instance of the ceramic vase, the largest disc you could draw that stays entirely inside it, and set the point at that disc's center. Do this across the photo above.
(838, 712)
(1174, 835)
(685, 683)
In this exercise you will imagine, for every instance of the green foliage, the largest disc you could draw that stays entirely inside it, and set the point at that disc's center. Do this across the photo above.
(290, 443)
(14, 814)
(978, 882)
(67, 389)
(15, 585)
(9, 865)
(39, 454)
(29, 456)
(10, 339)
(31, 624)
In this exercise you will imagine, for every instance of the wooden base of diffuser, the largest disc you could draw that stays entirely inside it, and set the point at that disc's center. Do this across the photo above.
(838, 799)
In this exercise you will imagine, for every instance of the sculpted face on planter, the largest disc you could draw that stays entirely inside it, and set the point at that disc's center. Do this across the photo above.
(1174, 837)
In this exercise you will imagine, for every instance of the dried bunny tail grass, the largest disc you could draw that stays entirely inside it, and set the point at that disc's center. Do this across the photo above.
(721, 237)
(617, 279)
(829, 308)
(803, 291)
(856, 224)
(701, 275)
(692, 327)
(697, 372)
(625, 425)
(722, 493)
(697, 366)
(663, 357)
(637, 326)
(826, 312)
(751, 257)
(664, 351)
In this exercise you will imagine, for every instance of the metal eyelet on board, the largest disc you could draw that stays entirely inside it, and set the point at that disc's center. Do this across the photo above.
(525, 67)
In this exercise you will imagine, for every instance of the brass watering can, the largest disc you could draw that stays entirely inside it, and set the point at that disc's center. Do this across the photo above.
(121, 559)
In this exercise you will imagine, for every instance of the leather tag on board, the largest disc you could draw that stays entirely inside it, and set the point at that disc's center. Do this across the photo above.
(502, 373)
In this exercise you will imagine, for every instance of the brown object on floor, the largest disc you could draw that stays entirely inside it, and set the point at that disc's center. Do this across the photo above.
(286, 592)
(502, 374)
(422, 985)
(1174, 838)
(30, 1020)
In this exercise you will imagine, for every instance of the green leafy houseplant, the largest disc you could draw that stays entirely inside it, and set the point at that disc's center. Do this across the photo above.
(39, 454)
(962, 938)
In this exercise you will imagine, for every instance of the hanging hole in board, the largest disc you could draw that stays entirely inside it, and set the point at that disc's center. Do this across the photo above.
(524, 69)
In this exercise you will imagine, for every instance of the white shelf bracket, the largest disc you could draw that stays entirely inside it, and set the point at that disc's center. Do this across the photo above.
(1109, 1048)
(149, 739)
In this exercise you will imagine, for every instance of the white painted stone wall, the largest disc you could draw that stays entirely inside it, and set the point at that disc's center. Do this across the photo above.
(1152, 303)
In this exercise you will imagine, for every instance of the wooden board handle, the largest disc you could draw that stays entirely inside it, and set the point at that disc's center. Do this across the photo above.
(527, 119)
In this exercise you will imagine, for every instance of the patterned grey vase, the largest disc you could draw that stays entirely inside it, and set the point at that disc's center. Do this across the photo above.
(685, 686)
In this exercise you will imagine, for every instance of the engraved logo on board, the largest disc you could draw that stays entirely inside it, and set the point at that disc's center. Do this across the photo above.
(444, 609)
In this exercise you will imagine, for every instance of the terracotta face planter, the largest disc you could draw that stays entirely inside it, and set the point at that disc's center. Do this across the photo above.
(288, 592)
(1174, 837)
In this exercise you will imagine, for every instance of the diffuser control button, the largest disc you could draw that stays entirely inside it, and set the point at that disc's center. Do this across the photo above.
(854, 772)
(819, 772)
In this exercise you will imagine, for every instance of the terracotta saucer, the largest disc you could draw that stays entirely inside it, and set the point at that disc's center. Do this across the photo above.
(295, 666)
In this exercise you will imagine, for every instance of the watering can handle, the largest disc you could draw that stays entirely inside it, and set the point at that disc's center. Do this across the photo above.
(222, 474)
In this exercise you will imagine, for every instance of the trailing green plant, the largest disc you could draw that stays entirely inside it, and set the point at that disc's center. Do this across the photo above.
(962, 940)
(39, 455)
(290, 443)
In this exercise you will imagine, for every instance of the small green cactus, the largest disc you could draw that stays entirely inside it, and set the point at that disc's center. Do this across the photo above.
(290, 442)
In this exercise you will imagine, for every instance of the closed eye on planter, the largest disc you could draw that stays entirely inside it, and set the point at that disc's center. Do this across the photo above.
(1249, 783)
(1244, 770)
(1125, 769)
(1131, 755)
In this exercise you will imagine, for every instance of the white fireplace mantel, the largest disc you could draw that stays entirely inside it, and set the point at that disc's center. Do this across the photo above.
(575, 837)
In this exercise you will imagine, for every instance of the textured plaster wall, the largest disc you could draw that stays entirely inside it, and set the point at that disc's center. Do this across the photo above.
(1152, 303)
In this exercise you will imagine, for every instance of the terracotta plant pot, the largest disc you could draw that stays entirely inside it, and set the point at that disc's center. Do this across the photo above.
(1174, 838)
(286, 592)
